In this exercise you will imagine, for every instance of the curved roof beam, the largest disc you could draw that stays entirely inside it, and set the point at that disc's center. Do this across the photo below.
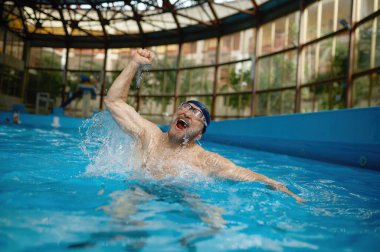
(103, 22)
(137, 18)
(26, 31)
(216, 18)
(56, 4)
(173, 12)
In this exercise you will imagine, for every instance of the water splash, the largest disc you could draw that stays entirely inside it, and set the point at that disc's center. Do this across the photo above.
(113, 153)
(109, 150)
(140, 73)
(185, 138)
(198, 142)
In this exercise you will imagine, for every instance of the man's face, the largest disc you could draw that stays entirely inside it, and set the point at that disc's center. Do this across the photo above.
(185, 125)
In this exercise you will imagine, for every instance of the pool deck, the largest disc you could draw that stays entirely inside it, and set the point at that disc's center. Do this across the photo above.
(348, 136)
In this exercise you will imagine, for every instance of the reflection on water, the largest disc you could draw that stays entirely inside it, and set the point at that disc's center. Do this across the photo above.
(151, 210)
(125, 204)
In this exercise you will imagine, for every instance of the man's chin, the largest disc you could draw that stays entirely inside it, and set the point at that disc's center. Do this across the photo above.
(175, 137)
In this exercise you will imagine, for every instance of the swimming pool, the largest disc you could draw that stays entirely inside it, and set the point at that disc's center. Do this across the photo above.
(61, 189)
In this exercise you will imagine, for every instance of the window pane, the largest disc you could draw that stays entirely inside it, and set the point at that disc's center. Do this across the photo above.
(266, 38)
(237, 46)
(233, 105)
(165, 56)
(264, 74)
(277, 71)
(366, 7)
(311, 20)
(284, 69)
(117, 59)
(323, 97)
(368, 35)
(280, 34)
(344, 12)
(375, 90)
(2, 30)
(325, 56)
(272, 103)
(189, 53)
(235, 77)
(360, 92)
(86, 59)
(326, 59)
(248, 44)
(293, 29)
(327, 21)
(47, 57)
(315, 98)
(44, 81)
(14, 46)
(10, 81)
(363, 46)
(366, 91)
(229, 47)
(196, 81)
(202, 52)
(158, 82)
(377, 47)
(157, 106)
(338, 95)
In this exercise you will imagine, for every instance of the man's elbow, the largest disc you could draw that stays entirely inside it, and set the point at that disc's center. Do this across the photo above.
(109, 101)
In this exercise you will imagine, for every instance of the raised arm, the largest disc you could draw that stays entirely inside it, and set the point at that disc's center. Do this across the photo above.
(224, 168)
(124, 114)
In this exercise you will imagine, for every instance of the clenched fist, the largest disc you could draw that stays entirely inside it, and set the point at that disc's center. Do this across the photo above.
(143, 56)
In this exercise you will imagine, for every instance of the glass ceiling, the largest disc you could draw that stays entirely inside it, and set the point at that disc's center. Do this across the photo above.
(105, 19)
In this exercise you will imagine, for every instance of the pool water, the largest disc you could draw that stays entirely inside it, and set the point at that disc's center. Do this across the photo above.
(65, 189)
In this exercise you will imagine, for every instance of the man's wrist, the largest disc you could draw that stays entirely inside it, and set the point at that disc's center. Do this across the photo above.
(135, 64)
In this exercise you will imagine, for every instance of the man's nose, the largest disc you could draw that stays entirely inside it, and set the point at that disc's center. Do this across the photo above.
(189, 113)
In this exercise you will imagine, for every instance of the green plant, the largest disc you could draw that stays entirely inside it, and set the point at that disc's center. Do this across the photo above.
(235, 81)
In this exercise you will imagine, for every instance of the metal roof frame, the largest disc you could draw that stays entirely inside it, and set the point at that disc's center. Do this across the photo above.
(200, 29)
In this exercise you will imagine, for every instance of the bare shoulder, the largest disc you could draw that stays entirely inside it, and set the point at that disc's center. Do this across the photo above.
(152, 134)
(151, 127)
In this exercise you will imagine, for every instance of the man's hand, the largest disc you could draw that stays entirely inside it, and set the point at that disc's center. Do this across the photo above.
(300, 200)
(280, 187)
(142, 56)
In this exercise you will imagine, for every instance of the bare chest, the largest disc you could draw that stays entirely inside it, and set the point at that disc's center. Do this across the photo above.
(161, 162)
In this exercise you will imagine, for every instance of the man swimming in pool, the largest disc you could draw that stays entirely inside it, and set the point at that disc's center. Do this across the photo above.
(162, 153)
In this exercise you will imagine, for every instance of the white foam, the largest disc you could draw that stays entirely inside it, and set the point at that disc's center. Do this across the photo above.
(113, 152)
(109, 149)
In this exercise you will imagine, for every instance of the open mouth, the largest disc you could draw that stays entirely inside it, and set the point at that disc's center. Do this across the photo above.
(182, 124)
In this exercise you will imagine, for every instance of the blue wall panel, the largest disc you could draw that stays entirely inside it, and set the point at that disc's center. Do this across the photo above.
(348, 137)
(43, 120)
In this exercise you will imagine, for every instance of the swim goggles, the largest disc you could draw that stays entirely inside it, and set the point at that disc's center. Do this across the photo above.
(196, 112)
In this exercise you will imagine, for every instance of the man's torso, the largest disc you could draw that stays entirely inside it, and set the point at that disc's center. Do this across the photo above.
(161, 161)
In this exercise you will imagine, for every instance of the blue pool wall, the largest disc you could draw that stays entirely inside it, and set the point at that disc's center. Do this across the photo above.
(43, 121)
(348, 137)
